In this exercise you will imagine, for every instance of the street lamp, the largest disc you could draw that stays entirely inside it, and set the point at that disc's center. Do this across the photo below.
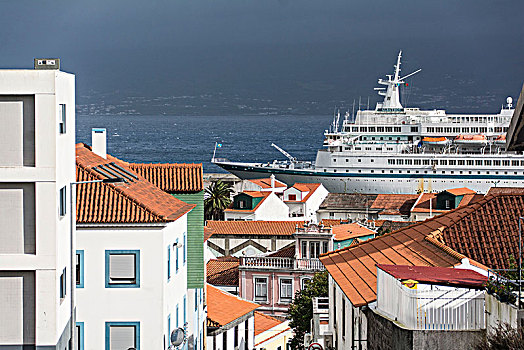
(73, 254)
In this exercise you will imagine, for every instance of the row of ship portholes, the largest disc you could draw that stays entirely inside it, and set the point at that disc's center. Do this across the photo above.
(461, 172)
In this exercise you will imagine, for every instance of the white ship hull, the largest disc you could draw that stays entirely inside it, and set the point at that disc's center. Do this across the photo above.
(377, 182)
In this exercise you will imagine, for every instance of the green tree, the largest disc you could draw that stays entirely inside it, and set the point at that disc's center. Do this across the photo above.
(301, 309)
(217, 198)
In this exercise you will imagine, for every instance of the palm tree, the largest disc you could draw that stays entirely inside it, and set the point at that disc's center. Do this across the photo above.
(217, 198)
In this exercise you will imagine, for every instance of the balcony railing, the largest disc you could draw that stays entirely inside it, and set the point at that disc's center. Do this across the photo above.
(281, 263)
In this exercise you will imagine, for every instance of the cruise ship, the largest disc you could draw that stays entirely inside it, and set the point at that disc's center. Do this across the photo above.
(395, 149)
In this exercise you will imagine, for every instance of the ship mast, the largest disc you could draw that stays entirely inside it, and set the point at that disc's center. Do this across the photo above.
(392, 93)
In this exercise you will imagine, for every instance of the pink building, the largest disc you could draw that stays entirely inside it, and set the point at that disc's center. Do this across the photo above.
(271, 280)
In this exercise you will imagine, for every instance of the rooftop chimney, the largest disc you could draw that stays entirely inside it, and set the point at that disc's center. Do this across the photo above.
(99, 142)
(272, 177)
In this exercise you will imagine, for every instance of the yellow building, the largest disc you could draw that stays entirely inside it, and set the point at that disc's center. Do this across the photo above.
(270, 333)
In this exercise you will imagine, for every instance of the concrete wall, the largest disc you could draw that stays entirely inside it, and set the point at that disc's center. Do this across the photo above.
(153, 301)
(48, 164)
(499, 313)
(385, 334)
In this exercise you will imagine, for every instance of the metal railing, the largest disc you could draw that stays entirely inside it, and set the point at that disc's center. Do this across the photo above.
(281, 263)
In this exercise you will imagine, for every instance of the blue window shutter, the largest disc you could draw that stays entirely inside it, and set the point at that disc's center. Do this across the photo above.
(176, 316)
(185, 249)
(168, 328)
(168, 262)
(185, 309)
(176, 265)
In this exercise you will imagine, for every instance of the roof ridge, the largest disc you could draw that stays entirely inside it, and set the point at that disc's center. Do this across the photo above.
(121, 192)
(446, 249)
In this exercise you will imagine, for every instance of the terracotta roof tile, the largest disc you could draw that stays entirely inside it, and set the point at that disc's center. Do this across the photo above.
(136, 201)
(400, 202)
(285, 252)
(223, 307)
(486, 232)
(207, 233)
(223, 271)
(271, 228)
(330, 222)
(436, 275)
(172, 177)
(306, 187)
(254, 194)
(460, 191)
(264, 323)
(266, 183)
(348, 231)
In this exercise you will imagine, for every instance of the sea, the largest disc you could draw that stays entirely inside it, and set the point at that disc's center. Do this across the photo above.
(192, 139)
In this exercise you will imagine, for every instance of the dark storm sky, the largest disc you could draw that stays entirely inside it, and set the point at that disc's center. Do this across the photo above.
(289, 51)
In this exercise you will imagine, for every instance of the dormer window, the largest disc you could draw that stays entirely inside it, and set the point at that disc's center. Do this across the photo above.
(447, 204)
(292, 197)
(242, 204)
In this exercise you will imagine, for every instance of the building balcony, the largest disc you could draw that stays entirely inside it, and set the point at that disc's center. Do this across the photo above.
(281, 263)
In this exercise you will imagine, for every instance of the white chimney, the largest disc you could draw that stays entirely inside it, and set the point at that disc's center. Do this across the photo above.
(272, 177)
(99, 142)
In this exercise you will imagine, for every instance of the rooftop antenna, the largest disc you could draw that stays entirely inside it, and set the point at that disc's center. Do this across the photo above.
(368, 103)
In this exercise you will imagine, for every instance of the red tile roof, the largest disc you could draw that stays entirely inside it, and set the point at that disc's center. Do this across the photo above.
(330, 222)
(436, 275)
(137, 201)
(264, 323)
(266, 183)
(285, 252)
(266, 228)
(254, 194)
(460, 191)
(394, 203)
(207, 233)
(172, 178)
(485, 231)
(306, 187)
(224, 307)
(348, 231)
(422, 205)
(223, 271)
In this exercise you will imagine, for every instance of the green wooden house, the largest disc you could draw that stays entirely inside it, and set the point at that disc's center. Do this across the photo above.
(185, 182)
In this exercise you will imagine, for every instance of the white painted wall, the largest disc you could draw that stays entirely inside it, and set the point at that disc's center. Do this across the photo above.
(54, 167)
(272, 208)
(313, 203)
(152, 302)
(230, 334)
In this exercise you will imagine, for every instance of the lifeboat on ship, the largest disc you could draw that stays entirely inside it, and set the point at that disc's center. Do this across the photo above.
(435, 141)
(500, 140)
(472, 140)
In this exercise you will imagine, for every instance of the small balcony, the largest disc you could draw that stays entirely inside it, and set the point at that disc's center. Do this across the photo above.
(279, 263)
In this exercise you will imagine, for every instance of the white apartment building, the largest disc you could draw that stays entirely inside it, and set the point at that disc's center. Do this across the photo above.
(37, 135)
(132, 259)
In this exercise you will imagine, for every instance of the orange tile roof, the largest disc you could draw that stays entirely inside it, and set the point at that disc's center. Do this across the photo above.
(306, 187)
(266, 228)
(485, 231)
(460, 191)
(223, 271)
(207, 233)
(330, 222)
(254, 194)
(137, 201)
(266, 183)
(264, 322)
(422, 205)
(348, 231)
(224, 307)
(172, 177)
(395, 202)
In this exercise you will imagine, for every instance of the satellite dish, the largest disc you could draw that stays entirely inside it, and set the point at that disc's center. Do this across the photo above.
(177, 337)
(509, 100)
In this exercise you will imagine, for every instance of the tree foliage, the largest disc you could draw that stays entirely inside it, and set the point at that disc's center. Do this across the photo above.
(217, 198)
(301, 309)
(504, 337)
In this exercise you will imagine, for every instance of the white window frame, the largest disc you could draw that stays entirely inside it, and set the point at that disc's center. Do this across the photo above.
(285, 300)
(302, 279)
(255, 288)
(62, 119)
